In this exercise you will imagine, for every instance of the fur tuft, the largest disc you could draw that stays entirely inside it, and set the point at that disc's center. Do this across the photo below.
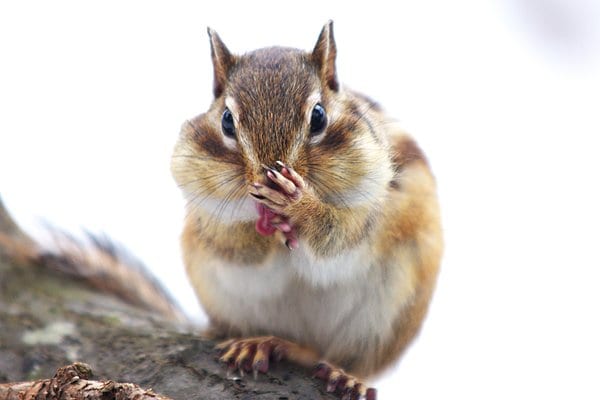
(96, 260)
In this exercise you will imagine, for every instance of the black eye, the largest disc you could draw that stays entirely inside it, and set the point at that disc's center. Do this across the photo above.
(318, 120)
(227, 124)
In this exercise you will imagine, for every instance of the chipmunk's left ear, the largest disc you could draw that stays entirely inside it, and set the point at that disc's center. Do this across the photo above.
(323, 56)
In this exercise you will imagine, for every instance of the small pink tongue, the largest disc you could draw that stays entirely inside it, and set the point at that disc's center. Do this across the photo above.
(263, 224)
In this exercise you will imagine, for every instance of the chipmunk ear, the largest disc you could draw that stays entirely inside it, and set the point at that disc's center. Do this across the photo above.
(324, 56)
(222, 60)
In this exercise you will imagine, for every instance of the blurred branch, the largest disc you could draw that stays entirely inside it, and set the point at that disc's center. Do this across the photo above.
(72, 382)
(50, 319)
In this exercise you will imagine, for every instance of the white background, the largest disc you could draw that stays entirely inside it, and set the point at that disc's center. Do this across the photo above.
(503, 96)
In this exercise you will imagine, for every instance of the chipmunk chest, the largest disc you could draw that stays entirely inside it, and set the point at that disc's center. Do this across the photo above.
(302, 298)
(326, 317)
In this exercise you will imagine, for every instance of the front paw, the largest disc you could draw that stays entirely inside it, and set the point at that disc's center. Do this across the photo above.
(275, 201)
(289, 188)
(348, 386)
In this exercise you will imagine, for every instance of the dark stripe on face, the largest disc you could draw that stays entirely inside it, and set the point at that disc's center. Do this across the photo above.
(338, 135)
(209, 142)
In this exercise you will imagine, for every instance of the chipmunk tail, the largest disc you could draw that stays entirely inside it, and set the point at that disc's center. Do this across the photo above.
(94, 259)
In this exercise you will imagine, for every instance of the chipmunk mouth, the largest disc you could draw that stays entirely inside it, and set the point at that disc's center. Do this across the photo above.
(269, 222)
(272, 190)
(264, 225)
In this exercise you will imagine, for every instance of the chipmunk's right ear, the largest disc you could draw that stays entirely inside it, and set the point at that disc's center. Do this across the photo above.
(222, 60)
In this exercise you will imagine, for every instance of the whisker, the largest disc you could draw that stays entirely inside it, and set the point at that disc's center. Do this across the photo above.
(353, 219)
(225, 201)
(200, 196)
(203, 158)
(323, 173)
(207, 177)
(241, 203)
(322, 187)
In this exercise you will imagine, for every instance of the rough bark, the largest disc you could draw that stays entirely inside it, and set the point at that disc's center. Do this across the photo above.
(49, 319)
(73, 382)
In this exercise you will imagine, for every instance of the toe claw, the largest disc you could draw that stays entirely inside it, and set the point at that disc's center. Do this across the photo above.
(280, 163)
(261, 358)
(230, 355)
(347, 386)
(252, 355)
(223, 346)
(284, 183)
(291, 174)
(243, 355)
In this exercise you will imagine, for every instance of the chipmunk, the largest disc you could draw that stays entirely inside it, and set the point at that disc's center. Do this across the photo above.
(312, 228)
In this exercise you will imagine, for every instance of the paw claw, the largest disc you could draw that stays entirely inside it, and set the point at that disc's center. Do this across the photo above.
(346, 385)
(230, 355)
(289, 173)
(284, 183)
(225, 345)
(251, 355)
(243, 357)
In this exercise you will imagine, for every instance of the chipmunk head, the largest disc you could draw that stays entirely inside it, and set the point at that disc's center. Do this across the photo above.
(278, 104)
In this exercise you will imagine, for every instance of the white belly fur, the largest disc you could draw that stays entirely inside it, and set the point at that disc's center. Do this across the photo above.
(329, 304)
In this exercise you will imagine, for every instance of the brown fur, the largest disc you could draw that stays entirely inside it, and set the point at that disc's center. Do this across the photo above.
(412, 227)
(367, 183)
